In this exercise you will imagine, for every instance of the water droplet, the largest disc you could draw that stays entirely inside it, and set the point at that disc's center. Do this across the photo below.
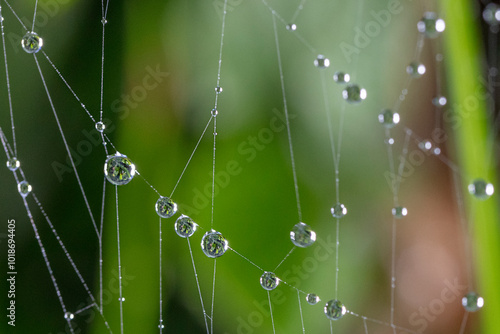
(165, 207)
(118, 169)
(334, 310)
(472, 302)
(425, 145)
(161, 325)
(218, 89)
(214, 112)
(399, 212)
(491, 14)
(104, 21)
(439, 101)
(13, 164)
(185, 226)
(481, 189)
(389, 141)
(354, 94)
(214, 244)
(269, 281)
(415, 69)
(99, 126)
(436, 151)
(341, 77)
(291, 27)
(69, 316)
(31, 42)
(122, 299)
(431, 25)
(312, 298)
(302, 235)
(24, 188)
(388, 118)
(339, 210)
(321, 62)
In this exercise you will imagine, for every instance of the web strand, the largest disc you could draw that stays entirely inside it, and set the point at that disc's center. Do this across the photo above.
(282, 81)
(198, 286)
(119, 261)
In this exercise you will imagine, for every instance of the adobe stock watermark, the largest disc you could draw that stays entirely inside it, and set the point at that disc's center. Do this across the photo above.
(110, 294)
(322, 252)
(247, 149)
(46, 10)
(425, 315)
(371, 30)
(121, 106)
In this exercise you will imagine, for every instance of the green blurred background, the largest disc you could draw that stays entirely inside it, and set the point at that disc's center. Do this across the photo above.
(255, 206)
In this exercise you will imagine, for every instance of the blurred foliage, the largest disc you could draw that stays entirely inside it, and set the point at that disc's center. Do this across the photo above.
(157, 124)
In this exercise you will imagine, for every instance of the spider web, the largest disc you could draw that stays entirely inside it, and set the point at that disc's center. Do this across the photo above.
(299, 95)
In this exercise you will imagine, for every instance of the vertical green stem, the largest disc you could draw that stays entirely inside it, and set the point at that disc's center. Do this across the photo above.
(469, 121)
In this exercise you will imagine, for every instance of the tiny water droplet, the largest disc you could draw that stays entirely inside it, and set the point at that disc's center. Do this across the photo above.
(338, 210)
(321, 62)
(214, 112)
(13, 164)
(312, 298)
(31, 42)
(425, 145)
(24, 188)
(118, 169)
(389, 141)
(269, 281)
(415, 69)
(399, 212)
(354, 94)
(291, 27)
(214, 244)
(165, 207)
(388, 118)
(302, 235)
(122, 299)
(218, 90)
(472, 302)
(99, 126)
(104, 21)
(185, 226)
(334, 310)
(431, 25)
(69, 316)
(439, 101)
(341, 77)
(491, 14)
(481, 189)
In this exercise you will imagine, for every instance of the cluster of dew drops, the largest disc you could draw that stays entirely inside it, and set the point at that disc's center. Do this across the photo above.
(120, 170)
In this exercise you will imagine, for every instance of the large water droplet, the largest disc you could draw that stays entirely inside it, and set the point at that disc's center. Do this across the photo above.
(118, 169)
(31, 42)
(13, 164)
(481, 189)
(302, 235)
(312, 298)
(354, 94)
(339, 210)
(431, 25)
(24, 188)
(185, 226)
(269, 281)
(472, 302)
(214, 244)
(165, 207)
(334, 310)
(388, 118)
